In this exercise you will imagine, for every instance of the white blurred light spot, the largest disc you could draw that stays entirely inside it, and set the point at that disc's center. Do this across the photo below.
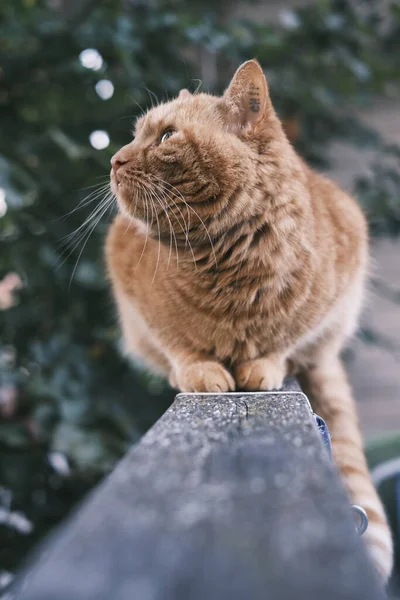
(289, 19)
(334, 22)
(15, 520)
(105, 89)
(99, 139)
(360, 69)
(91, 59)
(59, 463)
(5, 579)
(20, 522)
(3, 203)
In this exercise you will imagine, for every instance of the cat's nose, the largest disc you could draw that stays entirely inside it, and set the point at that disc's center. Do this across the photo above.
(117, 161)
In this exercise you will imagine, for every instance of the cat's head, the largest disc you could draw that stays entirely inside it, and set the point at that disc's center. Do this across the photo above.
(189, 156)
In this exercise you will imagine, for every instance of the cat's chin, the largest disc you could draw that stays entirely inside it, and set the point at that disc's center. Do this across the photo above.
(125, 209)
(123, 206)
(124, 203)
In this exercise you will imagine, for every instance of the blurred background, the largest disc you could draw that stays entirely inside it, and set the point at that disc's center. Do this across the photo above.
(74, 74)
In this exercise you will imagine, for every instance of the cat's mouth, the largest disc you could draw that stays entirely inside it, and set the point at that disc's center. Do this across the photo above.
(114, 179)
(116, 186)
(126, 193)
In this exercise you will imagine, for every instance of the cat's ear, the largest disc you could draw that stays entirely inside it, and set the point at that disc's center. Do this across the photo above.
(184, 94)
(247, 98)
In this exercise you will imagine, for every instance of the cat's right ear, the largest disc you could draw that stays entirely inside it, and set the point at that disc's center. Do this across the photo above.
(247, 98)
(184, 94)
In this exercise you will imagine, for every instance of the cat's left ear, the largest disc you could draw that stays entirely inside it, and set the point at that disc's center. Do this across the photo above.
(247, 96)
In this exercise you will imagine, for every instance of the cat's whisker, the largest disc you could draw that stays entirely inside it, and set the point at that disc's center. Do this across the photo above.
(152, 95)
(154, 198)
(147, 236)
(166, 207)
(105, 209)
(167, 197)
(94, 194)
(133, 217)
(178, 194)
(171, 230)
(80, 233)
(105, 193)
(105, 180)
(161, 184)
(68, 238)
(138, 105)
(185, 231)
(199, 84)
(89, 229)
(153, 207)
(85, 201)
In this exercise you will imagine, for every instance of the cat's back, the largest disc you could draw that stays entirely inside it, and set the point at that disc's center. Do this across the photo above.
(340, 224)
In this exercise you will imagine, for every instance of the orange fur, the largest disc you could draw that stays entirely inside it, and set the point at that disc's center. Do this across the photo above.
(232, 260)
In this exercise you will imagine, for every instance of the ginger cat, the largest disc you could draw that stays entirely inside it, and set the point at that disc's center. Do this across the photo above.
(231, 261)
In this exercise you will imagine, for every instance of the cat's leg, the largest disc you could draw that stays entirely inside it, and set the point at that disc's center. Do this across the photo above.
(187, 370)
(137, 339)
(152, 358)
(265, 373)
(328, 389)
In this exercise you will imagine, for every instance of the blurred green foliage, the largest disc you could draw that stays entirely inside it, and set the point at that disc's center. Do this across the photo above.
(65, 392)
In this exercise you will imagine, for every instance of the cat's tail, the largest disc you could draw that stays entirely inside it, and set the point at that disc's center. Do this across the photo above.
(331, 398)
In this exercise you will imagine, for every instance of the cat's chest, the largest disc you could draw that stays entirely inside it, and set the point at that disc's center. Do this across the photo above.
(234, 339)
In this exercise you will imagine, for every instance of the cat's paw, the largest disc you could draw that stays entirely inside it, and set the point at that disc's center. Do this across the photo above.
(260, 374)
(205, 376)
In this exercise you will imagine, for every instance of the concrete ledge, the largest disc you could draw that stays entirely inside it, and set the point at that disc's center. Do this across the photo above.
(228, 496)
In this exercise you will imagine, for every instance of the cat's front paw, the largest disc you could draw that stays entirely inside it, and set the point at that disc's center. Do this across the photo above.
(260, 374)
(205, 376)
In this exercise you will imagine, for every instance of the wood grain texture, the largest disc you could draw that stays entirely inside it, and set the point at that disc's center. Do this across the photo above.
(227, 497)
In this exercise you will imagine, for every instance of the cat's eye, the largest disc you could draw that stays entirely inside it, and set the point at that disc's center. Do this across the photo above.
(167, 134)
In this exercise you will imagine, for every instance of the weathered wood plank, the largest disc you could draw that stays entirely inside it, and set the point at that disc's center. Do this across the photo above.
(227, 497)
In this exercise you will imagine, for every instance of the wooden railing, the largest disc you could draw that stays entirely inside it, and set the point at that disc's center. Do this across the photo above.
(227, 497)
